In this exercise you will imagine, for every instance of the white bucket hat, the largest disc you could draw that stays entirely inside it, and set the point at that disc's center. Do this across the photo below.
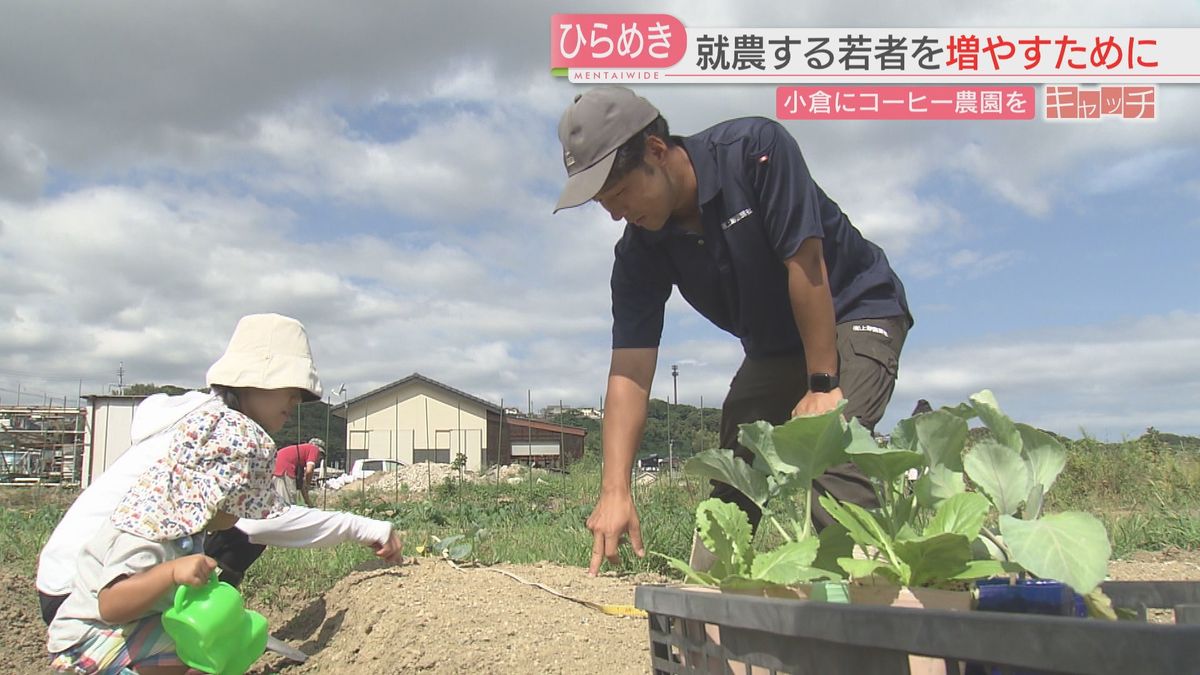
(268, 351)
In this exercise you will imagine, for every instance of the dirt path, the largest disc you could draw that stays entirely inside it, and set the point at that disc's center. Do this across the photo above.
(428, 617)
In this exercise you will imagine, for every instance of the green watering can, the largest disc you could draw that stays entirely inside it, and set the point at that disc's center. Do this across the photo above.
(212, 629)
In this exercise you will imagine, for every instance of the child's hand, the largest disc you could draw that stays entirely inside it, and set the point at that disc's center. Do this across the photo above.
(391, 550)
(192, 570)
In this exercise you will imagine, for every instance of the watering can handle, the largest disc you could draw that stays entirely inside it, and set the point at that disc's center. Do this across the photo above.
(181, 593)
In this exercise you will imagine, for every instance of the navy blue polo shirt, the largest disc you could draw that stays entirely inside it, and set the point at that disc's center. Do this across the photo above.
(758, 203)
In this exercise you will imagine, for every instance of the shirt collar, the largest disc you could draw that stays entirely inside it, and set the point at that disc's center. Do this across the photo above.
(704, 166)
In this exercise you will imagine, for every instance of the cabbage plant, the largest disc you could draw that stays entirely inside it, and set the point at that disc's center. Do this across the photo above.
(974, 510)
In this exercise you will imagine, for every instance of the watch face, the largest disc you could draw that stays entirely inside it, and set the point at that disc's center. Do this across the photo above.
(822, 382)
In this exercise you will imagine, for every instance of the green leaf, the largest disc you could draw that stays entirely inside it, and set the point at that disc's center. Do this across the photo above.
(747, 586)
(865, 531)
(787, 564)
(688, 573)
(1046, 456)
(835, 543)
(963, 411)
(861, 569)
(999, 471)
(961, 514)
(904, 435)
(1099, 605)
(883, 464)
(906, 532)
(1122, 613)
(813, 443)
(941, 437)
(758, 437)
(861, 439)
(1071, 547)
(1001, 426)
(799, 530)
(887, 467)
(454, 547)
(725, 530)
(446, 542)
(902, 514)
(937, 484)
(982, 569)
(984, 548)
(934, 559)
(1033, 503)
(724, 467)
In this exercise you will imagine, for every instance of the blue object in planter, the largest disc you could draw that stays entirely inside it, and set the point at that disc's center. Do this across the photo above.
(1025, 596)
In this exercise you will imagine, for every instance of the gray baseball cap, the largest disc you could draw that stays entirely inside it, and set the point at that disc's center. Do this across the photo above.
(596, 123)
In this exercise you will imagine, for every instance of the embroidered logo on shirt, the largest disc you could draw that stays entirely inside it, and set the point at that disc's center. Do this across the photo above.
(865, 328)
(736, 217)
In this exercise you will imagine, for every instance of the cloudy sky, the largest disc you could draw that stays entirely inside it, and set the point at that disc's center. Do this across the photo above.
(386, 171)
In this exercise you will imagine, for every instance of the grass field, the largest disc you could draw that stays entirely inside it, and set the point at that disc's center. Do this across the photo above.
(1147, 492)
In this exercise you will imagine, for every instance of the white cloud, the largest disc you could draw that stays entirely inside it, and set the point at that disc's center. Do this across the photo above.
(960, 264)
(1108, 379)
(185, 147)
(157, 278)
(1135, 172)
(970, 264)
(450, 170)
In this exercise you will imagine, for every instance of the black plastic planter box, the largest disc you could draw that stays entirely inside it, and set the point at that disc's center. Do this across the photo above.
(794, 636)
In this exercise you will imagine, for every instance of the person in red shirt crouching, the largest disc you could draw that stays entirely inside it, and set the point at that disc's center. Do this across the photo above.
(294, 466)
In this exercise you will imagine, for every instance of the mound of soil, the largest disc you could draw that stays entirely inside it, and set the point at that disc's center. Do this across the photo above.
(428, 616)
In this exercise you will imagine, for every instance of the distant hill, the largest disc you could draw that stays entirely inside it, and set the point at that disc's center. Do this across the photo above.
(686, 431)
(691, 429)
(1151, 439)
(1154, 437)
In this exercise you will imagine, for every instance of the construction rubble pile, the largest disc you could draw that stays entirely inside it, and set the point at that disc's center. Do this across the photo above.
(418, 477)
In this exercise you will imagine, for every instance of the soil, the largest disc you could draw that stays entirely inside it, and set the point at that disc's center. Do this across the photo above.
(424, 616)
(427, 616)
(23, 646)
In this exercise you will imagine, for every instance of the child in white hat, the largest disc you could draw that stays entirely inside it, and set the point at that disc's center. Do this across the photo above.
(218, 469)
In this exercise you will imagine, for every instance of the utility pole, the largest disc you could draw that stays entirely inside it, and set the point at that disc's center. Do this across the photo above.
(670, 446)
(671, 441)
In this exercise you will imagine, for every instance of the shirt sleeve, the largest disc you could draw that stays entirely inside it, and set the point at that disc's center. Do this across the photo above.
(789, 206)
(128, 555)
(302, 527)
(640, 288)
